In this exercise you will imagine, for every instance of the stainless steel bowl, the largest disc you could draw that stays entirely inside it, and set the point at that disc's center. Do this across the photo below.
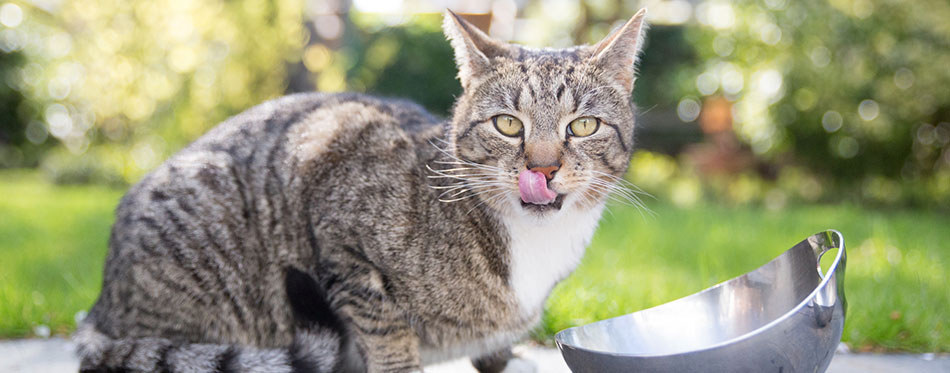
(783, 317)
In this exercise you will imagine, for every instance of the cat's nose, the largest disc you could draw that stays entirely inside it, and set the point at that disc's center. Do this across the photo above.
(548, 171)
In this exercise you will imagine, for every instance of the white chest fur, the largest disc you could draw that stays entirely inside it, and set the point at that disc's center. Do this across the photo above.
(544, 252)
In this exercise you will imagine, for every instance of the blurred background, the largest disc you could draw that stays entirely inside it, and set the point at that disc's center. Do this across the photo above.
(761, 122)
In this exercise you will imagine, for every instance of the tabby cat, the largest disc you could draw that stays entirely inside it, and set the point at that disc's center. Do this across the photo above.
(342, 232)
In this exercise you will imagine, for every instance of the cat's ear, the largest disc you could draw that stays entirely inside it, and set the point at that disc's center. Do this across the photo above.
(617, 54)
(473, 49)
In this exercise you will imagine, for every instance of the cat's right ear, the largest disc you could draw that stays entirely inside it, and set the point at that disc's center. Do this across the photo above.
(617, 53)
(473, 49)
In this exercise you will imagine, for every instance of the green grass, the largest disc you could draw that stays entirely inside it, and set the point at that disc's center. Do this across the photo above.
(52, 246)
(53, 243)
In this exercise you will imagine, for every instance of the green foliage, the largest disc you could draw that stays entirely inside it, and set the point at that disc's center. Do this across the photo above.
(144, 78)
(60, 166)
(412, 61)
(853, 89)
(666, 68)
(13, 129)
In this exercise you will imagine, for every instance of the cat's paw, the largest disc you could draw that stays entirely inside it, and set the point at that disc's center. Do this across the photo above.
(520, 365)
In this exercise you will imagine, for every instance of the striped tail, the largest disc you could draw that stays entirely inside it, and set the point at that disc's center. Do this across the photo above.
(311, 351)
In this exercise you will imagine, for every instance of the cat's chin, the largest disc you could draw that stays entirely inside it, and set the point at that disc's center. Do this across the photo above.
(545, 208)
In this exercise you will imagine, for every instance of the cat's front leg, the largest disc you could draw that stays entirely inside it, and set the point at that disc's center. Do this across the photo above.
(387, 345)
(503, 361)
(377, 324)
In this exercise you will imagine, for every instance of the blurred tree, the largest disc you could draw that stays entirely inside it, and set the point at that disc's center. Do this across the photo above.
(421, 55)
(666, 70)
(409, 60)
(127, 82)
(15, 118)
(854, 89)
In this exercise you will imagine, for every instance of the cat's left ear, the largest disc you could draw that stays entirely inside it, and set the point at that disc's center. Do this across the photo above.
(473, 48)
(617, 54)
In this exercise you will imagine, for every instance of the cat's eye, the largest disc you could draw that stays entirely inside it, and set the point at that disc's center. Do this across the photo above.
(583, 126)
(508, 125)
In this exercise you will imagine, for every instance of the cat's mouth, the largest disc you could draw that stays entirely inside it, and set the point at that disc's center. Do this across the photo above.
(554, 205)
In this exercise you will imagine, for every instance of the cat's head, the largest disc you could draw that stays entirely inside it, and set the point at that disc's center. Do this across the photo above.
(537, 131)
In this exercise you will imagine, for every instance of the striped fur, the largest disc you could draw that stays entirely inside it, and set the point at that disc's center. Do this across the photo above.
(310, 352)
(342, 232)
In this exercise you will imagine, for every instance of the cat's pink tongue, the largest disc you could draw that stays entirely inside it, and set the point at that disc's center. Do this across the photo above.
(534, 188)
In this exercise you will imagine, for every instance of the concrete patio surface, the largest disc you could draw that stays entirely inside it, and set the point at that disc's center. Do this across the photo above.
(56, 355)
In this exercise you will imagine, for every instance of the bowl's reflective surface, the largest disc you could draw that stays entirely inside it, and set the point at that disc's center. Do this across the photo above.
(783, 317)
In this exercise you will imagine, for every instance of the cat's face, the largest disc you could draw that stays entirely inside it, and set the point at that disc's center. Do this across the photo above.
(537, 132)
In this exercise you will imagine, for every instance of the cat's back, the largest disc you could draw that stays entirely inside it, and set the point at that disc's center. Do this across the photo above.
(253, 167)
(279, 135)
(315, 117)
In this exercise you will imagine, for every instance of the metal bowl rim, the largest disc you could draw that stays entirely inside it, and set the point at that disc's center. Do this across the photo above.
(833, 270)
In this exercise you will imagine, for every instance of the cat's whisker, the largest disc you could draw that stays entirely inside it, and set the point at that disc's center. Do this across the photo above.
(464, 184)
(490, 189)
(625, 183)
(491, 199)
(456, 168)
(452, 186)
(453, 193)
(588, 199)
(470, 195)
(463, 178)
(462, 161)
(621, 195)
(441, 174)
(606, 194)
(595, 199)
(621, 188)
(444, 141)
(612, 177)
(647, 110)
(625, 195)
(468, 180)
(469, 188)
(453, 169)
(606, 207)
(475, 165)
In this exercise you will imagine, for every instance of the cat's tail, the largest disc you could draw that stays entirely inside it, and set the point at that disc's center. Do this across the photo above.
(311, 351)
